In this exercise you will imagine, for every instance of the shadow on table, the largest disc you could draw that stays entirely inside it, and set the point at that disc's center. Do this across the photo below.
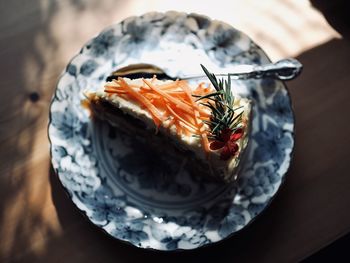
(336, 13)
(29, 50)
(22, 110)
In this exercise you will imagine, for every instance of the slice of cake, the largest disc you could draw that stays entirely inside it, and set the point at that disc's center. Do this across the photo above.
(205, 123)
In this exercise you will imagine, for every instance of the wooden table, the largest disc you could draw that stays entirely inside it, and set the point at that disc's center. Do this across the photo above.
(38, 223)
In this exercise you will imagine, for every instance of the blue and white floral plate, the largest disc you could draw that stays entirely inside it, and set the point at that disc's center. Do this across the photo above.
(120, 184)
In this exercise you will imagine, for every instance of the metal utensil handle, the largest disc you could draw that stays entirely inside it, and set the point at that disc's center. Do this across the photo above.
(285, 69)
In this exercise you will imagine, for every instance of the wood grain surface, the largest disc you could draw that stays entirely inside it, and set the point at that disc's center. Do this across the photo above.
(39, 223)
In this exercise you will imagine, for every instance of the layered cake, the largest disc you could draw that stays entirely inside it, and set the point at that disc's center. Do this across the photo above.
(205, 122)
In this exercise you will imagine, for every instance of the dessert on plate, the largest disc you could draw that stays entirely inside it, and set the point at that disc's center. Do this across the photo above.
(205, 123)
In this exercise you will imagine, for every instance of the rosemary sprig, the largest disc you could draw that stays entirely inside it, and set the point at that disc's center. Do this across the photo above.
(220, 102)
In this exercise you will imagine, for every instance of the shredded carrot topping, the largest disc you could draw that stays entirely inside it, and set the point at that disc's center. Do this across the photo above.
(157, 118)
(197, 119)
(171, 101)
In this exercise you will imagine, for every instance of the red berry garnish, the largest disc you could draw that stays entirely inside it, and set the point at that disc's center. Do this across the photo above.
(233, 147)
(225, 134)
(225, 153)
(229, 150)
(216, 145)
(236, 135)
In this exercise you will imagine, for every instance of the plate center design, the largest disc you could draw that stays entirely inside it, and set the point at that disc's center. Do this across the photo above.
(151, 179)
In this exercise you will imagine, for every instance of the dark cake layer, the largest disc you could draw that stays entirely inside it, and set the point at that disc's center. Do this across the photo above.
(158, 141)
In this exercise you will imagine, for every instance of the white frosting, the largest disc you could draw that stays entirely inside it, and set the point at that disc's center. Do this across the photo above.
(192, 143)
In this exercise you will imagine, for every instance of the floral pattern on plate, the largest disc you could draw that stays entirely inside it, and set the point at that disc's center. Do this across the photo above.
(117, 182)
